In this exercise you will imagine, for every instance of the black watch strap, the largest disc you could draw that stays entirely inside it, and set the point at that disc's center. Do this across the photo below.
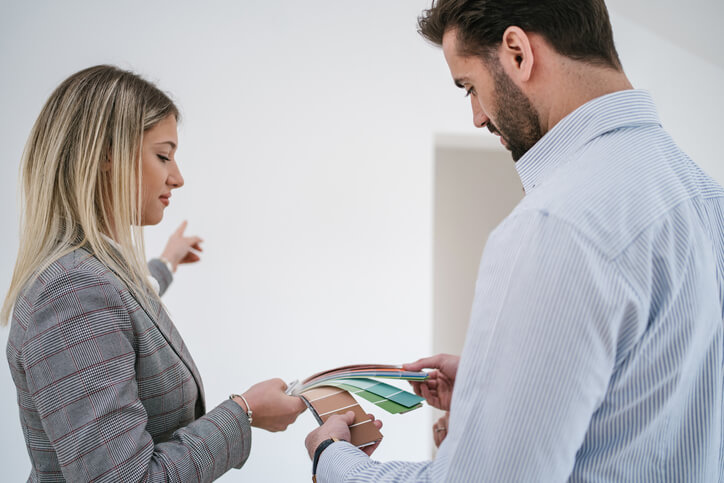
(318, 453)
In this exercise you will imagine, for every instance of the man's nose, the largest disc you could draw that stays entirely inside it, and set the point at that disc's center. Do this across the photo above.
(479, 117)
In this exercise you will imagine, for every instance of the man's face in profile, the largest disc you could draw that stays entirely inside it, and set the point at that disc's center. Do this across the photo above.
(496, 101)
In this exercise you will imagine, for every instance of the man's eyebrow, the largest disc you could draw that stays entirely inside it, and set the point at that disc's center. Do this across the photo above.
(170, 143)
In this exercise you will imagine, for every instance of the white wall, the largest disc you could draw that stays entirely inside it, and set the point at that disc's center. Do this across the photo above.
(307, 149)
(687, 88)
(475, 189)
(694, 25)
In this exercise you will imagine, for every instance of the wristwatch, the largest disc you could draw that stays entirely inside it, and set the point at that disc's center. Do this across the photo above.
(318, 453)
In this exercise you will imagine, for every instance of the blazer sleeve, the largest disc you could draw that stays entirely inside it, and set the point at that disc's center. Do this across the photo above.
(79, 359)
(161, 273)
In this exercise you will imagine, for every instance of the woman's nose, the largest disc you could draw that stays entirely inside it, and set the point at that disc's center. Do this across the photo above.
(174, 178)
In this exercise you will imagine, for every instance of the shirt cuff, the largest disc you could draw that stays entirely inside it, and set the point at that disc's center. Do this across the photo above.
(338, 460)
(161, 273)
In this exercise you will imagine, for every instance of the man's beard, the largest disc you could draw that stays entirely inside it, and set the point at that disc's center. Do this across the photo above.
(515, 120)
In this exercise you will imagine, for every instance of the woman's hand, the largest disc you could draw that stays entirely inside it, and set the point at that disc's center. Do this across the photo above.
(182, 249)
(271, 408)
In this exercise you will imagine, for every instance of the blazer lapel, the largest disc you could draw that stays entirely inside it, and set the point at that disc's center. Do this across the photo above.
(160, 318)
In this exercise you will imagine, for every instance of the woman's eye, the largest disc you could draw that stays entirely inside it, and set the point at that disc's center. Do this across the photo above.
(469, 91)
(162, 157)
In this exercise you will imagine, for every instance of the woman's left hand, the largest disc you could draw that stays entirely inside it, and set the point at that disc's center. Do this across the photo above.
(182, 249)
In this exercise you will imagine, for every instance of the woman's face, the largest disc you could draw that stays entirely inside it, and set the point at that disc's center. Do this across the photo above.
(160, 171)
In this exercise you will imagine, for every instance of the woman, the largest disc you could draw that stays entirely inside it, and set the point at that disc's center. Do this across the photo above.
(106, 387)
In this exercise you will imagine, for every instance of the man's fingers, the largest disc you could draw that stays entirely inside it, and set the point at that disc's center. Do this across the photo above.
(439, 429)
(348, 417)
(427, 394)
(433, 362)
(376, 422)
(432, 383)
(416, 387)
(368, 450)
(425, 389)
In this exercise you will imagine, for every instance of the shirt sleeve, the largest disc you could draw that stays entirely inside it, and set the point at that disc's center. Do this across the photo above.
(79, 361)
(548, 310)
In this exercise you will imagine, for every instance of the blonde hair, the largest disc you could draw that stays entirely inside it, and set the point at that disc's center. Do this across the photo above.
(93, 121)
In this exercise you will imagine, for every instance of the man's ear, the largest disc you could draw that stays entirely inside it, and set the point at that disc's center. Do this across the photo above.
(516, 54)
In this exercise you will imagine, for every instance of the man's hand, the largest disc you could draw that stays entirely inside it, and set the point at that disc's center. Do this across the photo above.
(439, 429)
(438, 387)
(182, 249)
(337, 426)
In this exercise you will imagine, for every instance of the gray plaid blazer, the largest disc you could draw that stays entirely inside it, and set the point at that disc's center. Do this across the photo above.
(108, 391)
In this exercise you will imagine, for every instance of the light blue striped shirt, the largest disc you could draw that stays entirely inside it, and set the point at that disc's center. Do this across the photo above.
(595, 350)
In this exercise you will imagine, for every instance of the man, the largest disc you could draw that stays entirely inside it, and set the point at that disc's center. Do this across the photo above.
(595, 345)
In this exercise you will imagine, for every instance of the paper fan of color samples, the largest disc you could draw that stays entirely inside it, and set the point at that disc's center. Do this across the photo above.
(360, 380)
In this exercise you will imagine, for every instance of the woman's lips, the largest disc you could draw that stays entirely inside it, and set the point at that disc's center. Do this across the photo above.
(164, 199)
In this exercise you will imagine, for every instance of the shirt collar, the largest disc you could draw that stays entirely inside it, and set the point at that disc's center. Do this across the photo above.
(111, 242)
(606, 113)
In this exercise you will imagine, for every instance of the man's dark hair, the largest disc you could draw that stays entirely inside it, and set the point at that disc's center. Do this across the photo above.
(579, 29)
